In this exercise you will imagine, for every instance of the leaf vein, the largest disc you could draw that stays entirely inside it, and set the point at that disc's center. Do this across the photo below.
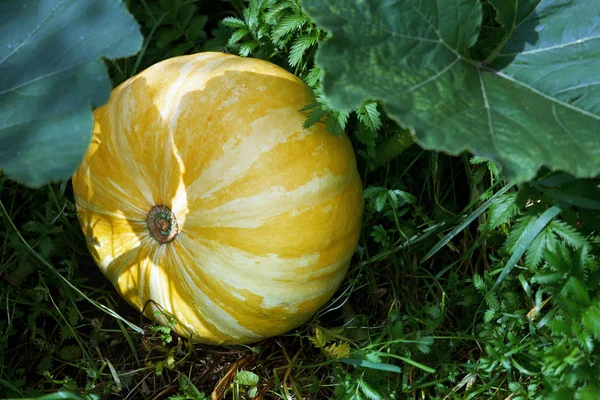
(550, 48)
(548, 97)
(37, 28)
(434, 77)
(488, 111)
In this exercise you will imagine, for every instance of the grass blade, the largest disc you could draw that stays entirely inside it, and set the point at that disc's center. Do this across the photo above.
(65, 280)
(525, 240)
(371, 365)
(466, 222)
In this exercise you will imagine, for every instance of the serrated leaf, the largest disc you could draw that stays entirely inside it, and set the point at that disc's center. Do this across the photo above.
(247, 48)
(185, 14)
(287, 25)
(373, 191)
(300, 45)
(275, 13)
(36, 227)
(166, 36)
(576, 291)
(45, 364)
(52, 76)
(423, 345)
(488, 316)
(337, 350)
(400, 197)
(502, 209)
(479, 283)
(70, 353)
(526, 236)
(319, 340)
(380, 202)
(517, 231)
(368, 391)
(246, 378)
(314, 76)
(492, 301)
(66, 332)
(237, 36)
(181, 48)
(369, 115)
(538, 95)
(46, 245)
(535, 252)
(591, 320)
(313, 117)
(336, 122)
(253, 392)
(567, 233)
(233, 22)
(196, 27)
(73, 315)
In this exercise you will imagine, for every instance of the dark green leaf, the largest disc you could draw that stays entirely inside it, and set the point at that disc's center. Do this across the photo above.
(591, 320)
(166, 36)
(195, 29)
(186, 13)
(537, 96)
(52, 76)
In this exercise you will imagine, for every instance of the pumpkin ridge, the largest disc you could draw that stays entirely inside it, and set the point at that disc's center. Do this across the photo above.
(214, 314)
(239, 245)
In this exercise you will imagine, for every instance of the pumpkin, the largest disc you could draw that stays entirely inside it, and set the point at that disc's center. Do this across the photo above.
(202, 197)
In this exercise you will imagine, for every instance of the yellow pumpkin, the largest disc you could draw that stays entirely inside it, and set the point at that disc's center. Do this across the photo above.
(202, 196)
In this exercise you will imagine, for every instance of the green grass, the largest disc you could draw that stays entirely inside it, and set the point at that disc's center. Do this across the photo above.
(462, 286)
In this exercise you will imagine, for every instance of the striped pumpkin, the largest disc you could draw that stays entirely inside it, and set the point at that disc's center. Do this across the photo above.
(202, 196)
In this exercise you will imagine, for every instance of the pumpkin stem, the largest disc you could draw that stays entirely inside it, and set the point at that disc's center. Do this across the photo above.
(162, 224)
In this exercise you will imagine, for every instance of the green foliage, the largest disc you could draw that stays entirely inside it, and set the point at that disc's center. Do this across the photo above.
(171, 28)
(269, 29)
(52, 75)
(419, 63)
(463, 286)
(280, 31)
(162, 333)
(246, 378)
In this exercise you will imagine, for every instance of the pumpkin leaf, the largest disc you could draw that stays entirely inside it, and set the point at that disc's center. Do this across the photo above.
(535, 93)
(52, 76)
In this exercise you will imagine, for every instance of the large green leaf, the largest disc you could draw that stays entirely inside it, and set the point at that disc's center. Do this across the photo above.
(51, 75)
(536, 103)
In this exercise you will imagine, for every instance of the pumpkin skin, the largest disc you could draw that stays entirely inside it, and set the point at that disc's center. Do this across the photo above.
(201, 195)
